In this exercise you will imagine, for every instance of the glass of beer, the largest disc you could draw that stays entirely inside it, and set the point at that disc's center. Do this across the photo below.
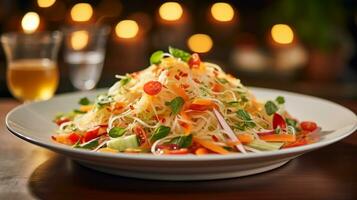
(32, 73)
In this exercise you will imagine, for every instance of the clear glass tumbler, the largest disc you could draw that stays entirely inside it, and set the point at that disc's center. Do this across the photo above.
(84, 54)
(32, 72)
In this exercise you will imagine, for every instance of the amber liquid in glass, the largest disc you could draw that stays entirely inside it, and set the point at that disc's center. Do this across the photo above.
(32, 79)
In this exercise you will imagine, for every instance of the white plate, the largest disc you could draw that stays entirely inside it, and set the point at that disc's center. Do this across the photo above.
(33, 123)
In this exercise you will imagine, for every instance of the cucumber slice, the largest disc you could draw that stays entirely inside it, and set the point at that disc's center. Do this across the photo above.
(265, 146)
(123, 143)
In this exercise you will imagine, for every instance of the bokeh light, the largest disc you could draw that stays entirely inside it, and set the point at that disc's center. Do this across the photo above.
(170, 11)
(282, 34)
(200, 43)
(127, 29)
(45, 3)
(30, 22)
(81, 12)
(79, 40)
(222, 12)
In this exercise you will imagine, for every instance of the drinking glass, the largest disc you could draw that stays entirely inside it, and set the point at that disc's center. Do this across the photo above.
(84, 54)
(32, 72)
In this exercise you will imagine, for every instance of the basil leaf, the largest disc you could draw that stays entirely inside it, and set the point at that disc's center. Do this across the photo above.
(84, 101)
(160, 132)
(176, 104)
(270, 107)
(116, 132)
(233, 103)
(125, 81)
(250, 124)
(243, 115)
(178, 53)
(78, 111)
(244, 99)
(222, 80)
(247, 120)
(156, 57)
(291, 122)
(182, 141)
(280, 100)
(90, 145)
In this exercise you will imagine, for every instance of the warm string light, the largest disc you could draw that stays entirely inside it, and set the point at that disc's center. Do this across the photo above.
(30, 22)
(200, 43)
(45, 3)
(170, 11)
(282, 34)
(81, 12)
(222, 12)
(127, 29)
(79, 40)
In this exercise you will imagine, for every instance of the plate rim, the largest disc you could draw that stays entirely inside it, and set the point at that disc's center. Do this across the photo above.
(180, 158)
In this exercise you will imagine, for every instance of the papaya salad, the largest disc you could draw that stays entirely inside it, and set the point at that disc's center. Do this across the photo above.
(181, 105)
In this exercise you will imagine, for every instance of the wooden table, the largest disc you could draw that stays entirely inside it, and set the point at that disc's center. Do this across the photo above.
(31, 172)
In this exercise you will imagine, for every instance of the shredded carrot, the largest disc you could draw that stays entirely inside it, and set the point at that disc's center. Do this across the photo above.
(203, 102)
(211, 146)
(245, 138)
(278, 138)
(180, 91)
(201, 151)
(186, 127)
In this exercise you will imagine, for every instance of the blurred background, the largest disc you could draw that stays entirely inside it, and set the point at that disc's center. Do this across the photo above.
(306, 46)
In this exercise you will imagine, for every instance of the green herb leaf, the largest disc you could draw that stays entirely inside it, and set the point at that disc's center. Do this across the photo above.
(176, 104)
(156, 57)
(291, 122)
(160, 132)
(90, 145)
(182, 141)
(116, 132)
(125, 80)
(280, 100)
(247, 120)
(270, 107)
(84, 101)
(277, 130)
(244, 99)
(222, 80)
(243, 115)
(78, 111)
(104, 100)
(178, 53)
(250, 124)
(233, 103)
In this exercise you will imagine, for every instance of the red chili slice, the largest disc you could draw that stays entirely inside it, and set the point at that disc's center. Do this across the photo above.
(278, 121)
(91, 134)
(74, 138)
(152, 87)
(141, 134)
(194, 61)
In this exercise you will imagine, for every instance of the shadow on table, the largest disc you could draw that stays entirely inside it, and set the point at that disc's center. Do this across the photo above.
(308, 176)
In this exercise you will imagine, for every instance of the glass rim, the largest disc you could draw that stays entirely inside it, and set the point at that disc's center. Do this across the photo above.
(9, 37)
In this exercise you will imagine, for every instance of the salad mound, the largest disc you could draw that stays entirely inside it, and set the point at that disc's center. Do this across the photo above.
(181, 105)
